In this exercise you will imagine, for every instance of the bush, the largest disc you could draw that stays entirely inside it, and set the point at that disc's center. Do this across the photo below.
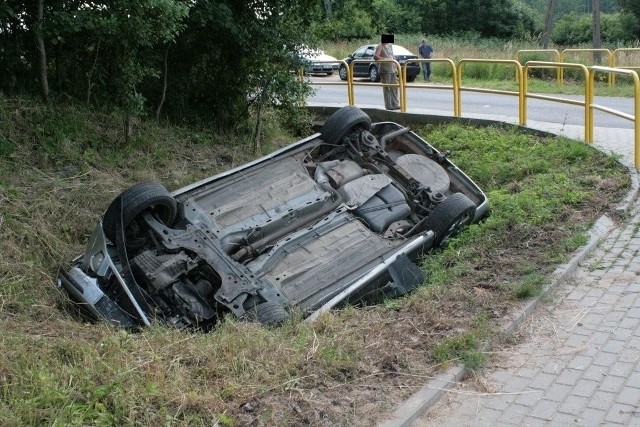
(574, 29)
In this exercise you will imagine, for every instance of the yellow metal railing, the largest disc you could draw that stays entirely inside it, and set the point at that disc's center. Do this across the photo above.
(563, 56)
(614, 60)
(556, 58)
(460, 88)
(557, 65)
(522, 93)
(302, 72)
(402, 76)
(636, 105)
(454, 85)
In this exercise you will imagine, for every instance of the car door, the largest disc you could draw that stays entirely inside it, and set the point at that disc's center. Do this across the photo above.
(358, 67)
(367, 54)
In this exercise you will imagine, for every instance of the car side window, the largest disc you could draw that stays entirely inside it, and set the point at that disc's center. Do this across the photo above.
(359, 53)
(369, 52)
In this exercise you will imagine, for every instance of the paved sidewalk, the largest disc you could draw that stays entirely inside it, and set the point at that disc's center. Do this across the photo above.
(579, 363)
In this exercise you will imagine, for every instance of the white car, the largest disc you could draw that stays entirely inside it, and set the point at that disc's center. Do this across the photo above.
(318, 62)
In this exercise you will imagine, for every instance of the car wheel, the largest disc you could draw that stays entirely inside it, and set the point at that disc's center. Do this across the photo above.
(374, 75)
(342, 123)
(268, 313)
(450, 217)
(342, 72)
(330, 73)
(411, 78)
(131, 203)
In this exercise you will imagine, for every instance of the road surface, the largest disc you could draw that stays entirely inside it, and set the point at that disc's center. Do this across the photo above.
(433, 98)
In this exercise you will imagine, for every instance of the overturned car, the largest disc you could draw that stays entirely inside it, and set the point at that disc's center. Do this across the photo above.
(338, 216)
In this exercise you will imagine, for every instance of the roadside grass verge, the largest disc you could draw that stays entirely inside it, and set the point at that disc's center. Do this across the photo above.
(61, 167)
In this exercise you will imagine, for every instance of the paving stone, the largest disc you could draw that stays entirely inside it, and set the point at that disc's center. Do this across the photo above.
(562, 420)
(595, 373)
(558, 392)
(573, 405)
(515, 415)
(579, 362)
(629, 396)
(528, 373)
(623, 368)
(529, 398)
(569, 376)
(542, 381)
(602, 400)
(614, 346)
(585, 388)
(623, 333)
(612, 384)
(592, 417)
(634, 379)
(604, 359)
(545, 409)
(621, 414)
(553, 367)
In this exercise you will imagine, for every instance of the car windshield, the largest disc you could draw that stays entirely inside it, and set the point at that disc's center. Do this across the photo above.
(399, 50)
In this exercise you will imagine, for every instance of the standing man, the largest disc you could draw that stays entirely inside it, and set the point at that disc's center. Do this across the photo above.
(425, 50)
(388, 72)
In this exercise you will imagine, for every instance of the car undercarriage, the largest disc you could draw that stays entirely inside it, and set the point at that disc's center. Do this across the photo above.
(337, 217)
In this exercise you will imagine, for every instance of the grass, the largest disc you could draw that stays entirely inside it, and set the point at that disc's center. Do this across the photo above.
(61, 166)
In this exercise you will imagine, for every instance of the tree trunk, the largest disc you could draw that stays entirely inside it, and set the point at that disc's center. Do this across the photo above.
(258, 130)
(548, 24)
(597, 44)
(327, 9)
(42, 55)
(90, 73)
(164, 85)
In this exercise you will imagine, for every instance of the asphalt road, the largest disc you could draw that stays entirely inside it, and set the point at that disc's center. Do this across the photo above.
(330, 90)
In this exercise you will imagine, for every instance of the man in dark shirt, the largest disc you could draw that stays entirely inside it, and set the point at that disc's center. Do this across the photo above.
(425, 50)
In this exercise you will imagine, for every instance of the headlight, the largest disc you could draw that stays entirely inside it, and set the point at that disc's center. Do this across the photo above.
(96, 261)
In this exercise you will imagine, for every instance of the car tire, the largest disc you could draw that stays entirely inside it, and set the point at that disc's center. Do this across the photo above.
(411, 79)
(342, 72)
(330, 73)
(450, 217)
(342, 123)
(268, 313)
(374, 75)
(134, 201)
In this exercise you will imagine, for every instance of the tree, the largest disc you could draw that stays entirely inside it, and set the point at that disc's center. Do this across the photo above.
(633, 7)
(503, 19)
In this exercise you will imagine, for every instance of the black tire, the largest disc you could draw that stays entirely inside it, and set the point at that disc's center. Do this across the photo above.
(450, 217)
(342, 123)
(374, 74)
(411, 79)
(330, 73)
(342, 72)
(268, 313)
(135, 200)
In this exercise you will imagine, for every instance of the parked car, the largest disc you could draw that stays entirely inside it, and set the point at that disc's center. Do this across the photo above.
(338, 216)
(371, 69)
(318, 62)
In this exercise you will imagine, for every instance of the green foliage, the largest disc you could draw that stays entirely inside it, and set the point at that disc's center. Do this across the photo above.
(573, 29)
(501, 19)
